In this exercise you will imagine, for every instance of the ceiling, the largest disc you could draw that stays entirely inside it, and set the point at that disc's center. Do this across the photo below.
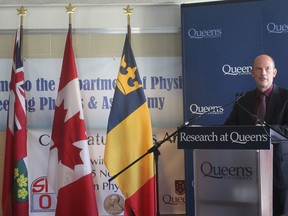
(95, 2)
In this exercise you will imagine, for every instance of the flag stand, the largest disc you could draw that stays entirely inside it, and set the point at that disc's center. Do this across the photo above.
(156, 153)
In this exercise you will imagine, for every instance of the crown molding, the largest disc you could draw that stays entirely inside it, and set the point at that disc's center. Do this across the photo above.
(97, 2)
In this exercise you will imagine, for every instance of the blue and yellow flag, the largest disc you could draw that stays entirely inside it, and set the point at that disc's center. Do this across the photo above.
(129, 136)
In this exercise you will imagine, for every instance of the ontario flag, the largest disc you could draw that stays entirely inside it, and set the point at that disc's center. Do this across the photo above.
(69, 169)
(129, 136)
(15, 180)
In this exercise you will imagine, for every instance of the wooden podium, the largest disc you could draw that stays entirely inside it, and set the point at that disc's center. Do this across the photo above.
(228, 170)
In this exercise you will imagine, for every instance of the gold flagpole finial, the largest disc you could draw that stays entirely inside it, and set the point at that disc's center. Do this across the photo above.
(21, 12)
(70, 9)
(128, 10)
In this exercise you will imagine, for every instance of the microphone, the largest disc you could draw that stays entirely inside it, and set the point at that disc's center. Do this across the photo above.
(262, 122)
(238, 96)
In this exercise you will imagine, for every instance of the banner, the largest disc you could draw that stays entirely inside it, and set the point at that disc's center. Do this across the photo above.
(217, 55)
(171, 173)
(162, 81)
(161, 77)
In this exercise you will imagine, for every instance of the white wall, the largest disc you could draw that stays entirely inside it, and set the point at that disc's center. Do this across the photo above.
(109, 18)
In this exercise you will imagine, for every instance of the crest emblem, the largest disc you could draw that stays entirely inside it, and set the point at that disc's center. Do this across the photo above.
(180, 187)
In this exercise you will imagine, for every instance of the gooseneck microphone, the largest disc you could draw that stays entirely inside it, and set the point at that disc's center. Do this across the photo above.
(240, 95)
(259, 121)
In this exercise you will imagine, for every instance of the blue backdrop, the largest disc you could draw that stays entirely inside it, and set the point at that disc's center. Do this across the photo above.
(219, 42)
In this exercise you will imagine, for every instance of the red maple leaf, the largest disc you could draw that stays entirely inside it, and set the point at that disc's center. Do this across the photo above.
(64, 134)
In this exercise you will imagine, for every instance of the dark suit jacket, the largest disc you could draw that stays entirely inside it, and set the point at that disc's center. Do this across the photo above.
(277, 117)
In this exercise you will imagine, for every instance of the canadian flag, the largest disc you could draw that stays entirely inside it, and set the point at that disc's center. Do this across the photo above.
(69, 170)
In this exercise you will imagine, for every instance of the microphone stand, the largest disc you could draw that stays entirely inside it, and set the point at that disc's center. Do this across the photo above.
(155, 148)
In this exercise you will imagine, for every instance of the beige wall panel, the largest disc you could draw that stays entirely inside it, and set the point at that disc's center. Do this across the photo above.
(107, 45)
(57, 45)
(94, 45)
(82, 45)
(147, 45)
(174, 45)
(36, 46)
(6, 42)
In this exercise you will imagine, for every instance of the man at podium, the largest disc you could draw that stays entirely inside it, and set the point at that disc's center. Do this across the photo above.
(267, 103)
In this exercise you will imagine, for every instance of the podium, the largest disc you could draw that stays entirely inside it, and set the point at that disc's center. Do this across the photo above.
(228, 170)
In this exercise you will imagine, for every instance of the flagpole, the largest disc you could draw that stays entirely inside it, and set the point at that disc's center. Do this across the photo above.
(70, 9)
(80, 198)
(128, 10)
(21, 12)
(15, 194)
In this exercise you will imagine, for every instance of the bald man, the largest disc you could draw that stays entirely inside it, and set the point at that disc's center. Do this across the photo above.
(276, 114)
